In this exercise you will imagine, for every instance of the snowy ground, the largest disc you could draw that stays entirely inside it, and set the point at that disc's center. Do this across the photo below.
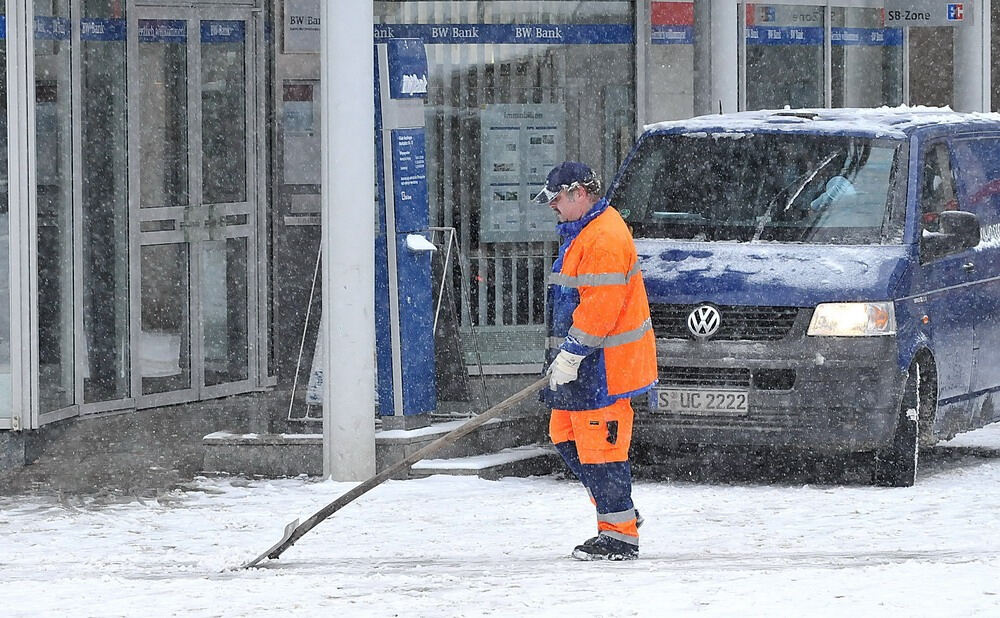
(448, 546)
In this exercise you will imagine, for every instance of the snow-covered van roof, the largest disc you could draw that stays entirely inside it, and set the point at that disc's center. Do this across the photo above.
(883, 122)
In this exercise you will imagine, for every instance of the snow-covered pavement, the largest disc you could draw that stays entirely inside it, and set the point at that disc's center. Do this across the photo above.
(450, 546)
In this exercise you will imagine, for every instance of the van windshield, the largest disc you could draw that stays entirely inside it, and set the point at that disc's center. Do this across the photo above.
(761, 187)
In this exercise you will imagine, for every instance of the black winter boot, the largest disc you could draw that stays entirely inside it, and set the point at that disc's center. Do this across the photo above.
(603, 547)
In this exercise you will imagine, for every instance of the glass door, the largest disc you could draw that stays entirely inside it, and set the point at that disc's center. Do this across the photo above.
(225, 84)
(195, 205)
(866, 64)
(784, 55)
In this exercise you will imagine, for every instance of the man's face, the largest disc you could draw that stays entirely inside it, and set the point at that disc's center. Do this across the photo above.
(570, 204)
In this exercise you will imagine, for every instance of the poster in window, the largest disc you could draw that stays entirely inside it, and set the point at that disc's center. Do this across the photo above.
(520, 144)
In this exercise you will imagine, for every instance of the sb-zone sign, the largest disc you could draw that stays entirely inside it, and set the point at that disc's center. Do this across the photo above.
(900, 13)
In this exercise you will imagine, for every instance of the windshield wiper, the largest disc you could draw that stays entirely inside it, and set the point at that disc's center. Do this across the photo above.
(799, 184)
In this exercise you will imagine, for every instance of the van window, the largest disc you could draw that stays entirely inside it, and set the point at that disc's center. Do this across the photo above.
(937, 189)
(977, 170)
(761, 187)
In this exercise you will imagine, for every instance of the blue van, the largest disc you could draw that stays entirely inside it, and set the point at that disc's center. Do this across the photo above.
(822, 279)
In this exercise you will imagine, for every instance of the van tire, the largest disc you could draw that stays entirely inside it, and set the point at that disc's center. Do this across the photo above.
(895, 465)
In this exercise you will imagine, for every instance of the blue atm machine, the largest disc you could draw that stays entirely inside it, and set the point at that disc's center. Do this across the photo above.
(404, 311)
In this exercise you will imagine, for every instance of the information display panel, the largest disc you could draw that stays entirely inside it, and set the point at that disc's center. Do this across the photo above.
(520, 144)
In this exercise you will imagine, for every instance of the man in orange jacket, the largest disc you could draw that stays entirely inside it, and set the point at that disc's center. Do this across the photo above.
(601, 353)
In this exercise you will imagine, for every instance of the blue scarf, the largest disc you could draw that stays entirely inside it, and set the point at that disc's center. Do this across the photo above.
(570, 229)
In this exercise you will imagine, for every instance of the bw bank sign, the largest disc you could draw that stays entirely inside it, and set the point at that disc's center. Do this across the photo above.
(301, 27)
(927, 13)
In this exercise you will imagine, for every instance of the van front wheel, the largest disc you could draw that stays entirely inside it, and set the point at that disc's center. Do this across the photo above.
(895, 464)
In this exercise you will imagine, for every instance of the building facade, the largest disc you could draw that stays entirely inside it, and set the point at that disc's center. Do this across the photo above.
(161, 169)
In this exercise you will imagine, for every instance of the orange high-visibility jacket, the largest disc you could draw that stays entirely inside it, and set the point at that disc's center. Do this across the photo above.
(598, 308)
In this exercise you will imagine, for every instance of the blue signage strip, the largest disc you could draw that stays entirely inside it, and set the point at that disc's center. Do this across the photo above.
(416, 329)
(222, 31)
(407, 61)
(553, 34)
(812, 35)
(162, 31)
(878, 37)
(409, 175)
(672, 35)
(413, 271)
(98, 29)
(3, 26)
(784, 35)
(893, 36)
(52, 28)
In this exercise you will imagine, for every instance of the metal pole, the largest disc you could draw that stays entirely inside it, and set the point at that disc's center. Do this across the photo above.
(726, 35)
(348, 217)
(643, 30)
(972, 64)
(716, 52)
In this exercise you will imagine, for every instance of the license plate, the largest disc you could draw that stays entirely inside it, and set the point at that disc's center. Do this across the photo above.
(700, 402)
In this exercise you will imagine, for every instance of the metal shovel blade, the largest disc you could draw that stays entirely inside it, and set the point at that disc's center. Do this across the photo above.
(289, 529)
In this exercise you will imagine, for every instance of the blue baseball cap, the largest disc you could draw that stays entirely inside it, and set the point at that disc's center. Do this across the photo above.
(567, 175)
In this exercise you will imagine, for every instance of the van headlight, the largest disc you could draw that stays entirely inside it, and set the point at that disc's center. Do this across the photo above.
(853, 320)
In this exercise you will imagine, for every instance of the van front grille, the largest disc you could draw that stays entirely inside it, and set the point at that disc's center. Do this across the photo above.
(739, 322)
(704, 377)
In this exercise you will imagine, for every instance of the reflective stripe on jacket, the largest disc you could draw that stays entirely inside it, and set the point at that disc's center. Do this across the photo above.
(598, 308)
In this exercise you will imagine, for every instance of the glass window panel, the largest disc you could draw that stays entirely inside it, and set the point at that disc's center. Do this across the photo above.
(223, 111)
(105, 204)
(163, 102)
(784, 56)
(54, 186)
(224, 298)
(6, 406)
(931, 61)
(866, 59)
(571, 65)
(164, 342)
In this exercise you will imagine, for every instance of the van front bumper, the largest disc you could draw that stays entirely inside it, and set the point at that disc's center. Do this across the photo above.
(824, 394)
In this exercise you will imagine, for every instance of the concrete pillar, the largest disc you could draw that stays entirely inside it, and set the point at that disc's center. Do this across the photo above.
(716, 56)
(972, 61)
(348, 218)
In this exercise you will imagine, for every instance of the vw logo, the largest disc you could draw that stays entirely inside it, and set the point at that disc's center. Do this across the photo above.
(704, 321)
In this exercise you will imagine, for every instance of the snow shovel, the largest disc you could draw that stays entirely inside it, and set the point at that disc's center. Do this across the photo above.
(294, 530)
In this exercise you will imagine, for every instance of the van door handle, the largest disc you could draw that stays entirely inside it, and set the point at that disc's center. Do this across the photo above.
(968, 267)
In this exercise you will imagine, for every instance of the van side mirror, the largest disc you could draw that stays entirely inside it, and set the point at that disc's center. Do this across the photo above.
(957, 230)
(962, 226)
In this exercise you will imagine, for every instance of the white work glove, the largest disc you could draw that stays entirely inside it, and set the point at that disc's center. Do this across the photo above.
(564, 368)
